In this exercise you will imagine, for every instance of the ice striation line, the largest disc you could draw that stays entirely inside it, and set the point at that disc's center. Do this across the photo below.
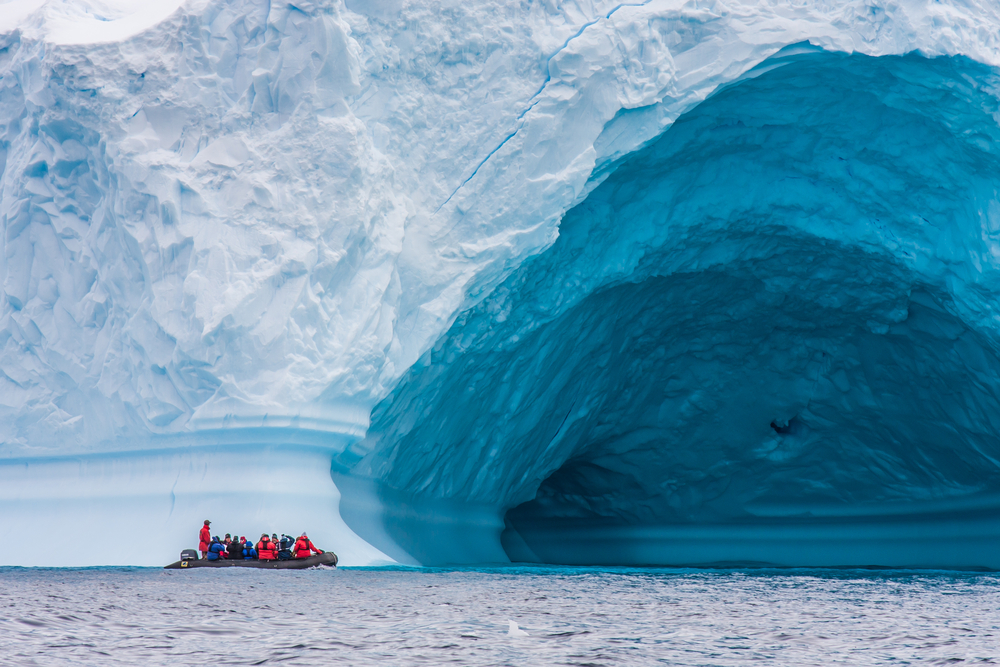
(532, 99)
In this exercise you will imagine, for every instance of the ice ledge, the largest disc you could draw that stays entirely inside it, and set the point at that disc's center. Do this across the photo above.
(967, 541)
(272, 481)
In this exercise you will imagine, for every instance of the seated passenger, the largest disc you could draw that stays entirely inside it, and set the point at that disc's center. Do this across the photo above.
(216, 550)
(266, 549)
(249, 553)
(285, 548)
(304, 548)
(235, 550)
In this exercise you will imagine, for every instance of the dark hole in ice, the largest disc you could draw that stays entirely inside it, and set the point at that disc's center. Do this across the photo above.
(782, 428)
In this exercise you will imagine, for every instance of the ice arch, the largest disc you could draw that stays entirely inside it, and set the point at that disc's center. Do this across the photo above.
(771, 335)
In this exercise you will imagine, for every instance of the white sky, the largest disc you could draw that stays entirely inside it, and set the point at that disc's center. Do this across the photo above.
(84, 21)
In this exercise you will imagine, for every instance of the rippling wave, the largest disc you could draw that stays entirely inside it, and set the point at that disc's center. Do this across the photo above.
(572, 616)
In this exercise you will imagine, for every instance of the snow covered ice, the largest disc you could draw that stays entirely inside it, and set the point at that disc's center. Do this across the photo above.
(670, 282)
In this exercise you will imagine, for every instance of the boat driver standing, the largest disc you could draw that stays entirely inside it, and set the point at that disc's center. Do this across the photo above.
(204, 539)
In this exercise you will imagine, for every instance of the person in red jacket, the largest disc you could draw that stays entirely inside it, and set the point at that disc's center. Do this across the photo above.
(204, 539)
(303, 547)
(266, 549)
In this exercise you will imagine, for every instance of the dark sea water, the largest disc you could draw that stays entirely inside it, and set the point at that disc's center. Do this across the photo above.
(573, 616)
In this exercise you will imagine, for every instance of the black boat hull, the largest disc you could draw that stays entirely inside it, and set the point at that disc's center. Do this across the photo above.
(328, 559)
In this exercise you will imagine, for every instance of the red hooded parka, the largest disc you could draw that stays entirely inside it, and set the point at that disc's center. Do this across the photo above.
(304, 548)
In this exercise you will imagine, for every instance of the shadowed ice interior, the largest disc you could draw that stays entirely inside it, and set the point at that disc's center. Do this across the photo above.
(770, 335)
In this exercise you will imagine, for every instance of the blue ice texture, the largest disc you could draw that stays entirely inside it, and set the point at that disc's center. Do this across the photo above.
(770, 336)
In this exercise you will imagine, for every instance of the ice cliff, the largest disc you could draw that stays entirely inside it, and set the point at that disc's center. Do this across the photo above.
(663, 282)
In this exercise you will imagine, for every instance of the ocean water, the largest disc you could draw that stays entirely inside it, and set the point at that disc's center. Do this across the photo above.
(572, 616)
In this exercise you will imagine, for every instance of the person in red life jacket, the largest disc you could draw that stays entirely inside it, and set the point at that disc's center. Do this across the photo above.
(266, 549)
(204, 539)
(303, 547)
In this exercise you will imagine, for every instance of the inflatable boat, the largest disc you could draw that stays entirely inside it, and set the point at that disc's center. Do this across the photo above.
(189, 559)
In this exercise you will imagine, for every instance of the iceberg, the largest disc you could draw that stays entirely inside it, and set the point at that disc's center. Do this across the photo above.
(654, 283)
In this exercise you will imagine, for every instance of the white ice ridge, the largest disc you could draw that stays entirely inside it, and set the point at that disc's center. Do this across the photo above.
(257, 213)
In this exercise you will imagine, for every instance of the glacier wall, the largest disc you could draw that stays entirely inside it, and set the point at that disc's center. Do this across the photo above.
(254, 222)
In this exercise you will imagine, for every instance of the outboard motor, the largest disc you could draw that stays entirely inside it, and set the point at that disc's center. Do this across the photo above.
(189, 554)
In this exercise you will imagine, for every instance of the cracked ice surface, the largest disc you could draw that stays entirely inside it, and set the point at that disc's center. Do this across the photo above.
(258, 215)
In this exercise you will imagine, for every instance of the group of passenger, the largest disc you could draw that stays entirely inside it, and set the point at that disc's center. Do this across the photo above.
(240, 548)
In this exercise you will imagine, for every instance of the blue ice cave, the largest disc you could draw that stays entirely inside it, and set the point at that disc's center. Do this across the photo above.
(768, 336)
